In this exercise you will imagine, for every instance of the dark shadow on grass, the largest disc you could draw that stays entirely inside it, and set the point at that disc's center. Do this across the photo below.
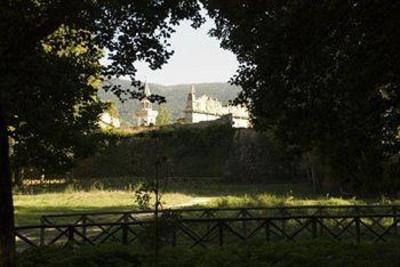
(207, 186)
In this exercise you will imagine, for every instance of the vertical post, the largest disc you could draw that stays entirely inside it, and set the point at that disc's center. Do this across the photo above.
(156, 191)
(7, 231)
(314, 227)
(283, 221)
(208, 215)
(84, 230)
(358, 233)
(125, 230)
(244, 223)
(70, 232)
(267, 230)
(314, 180)
(42, 231)
(321, 229)
(321, 220)
(174, 234)
(395, 230)
(158, 161)
(221, 234)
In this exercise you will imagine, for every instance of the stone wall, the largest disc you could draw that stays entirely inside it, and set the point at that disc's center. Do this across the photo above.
(206, 108)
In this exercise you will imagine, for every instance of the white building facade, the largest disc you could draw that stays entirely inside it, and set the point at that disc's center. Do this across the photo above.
(146, 116)
(107, 121)
(206, 108)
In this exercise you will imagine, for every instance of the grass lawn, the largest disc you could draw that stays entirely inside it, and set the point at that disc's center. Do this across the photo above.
(31, 204)
(119, 195)
(29, 207)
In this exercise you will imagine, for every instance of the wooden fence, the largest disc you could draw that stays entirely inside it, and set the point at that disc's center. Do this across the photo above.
(284, 211)
(218, 227)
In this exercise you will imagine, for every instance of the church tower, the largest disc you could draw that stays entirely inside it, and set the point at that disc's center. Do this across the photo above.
(145, 115)
(190, 105)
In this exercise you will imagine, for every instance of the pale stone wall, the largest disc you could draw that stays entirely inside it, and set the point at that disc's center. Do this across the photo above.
(198, 117)
(146, 117)
(206, 108)
(241, 123)
(107, 121)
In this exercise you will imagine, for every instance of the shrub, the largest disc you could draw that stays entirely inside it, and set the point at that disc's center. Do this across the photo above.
(317, 253)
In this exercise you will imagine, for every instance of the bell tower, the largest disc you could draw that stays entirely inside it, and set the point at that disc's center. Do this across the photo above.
(145, 115)
(190, 104)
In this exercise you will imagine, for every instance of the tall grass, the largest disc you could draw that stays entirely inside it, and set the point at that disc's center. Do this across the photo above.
(269, 200)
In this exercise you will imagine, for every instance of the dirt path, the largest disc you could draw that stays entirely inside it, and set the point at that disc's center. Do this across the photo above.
(195, 201)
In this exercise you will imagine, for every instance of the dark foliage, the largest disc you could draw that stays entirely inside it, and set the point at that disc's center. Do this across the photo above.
(238, 155)
(316, 253)
(47, 100)
(322, 76)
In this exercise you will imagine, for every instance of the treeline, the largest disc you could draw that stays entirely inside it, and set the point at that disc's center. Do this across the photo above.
(235, 155)
(232, 155)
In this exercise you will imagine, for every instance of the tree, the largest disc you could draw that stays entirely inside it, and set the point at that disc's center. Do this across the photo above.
(164, 116)
(7, 239)
(44, 111)
(322, 76)
(53, 110)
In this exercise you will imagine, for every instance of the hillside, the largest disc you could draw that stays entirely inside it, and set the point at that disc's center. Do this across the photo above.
(175, 96)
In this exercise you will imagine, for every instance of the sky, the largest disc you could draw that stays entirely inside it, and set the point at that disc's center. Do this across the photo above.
(198, 58)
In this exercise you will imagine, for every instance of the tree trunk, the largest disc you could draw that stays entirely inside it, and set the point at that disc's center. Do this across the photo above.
(314, 180)
(7, 238)
(19, 175)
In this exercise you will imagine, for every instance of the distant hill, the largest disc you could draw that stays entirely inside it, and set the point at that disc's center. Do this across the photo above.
(175, 96)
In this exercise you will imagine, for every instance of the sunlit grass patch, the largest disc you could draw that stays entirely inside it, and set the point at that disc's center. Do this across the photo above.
(111, 195)
(29, 208)
(269, 200)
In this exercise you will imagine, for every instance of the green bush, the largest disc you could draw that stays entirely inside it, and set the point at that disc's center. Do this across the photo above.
(318, 253)
(214, 151)
(106, 255)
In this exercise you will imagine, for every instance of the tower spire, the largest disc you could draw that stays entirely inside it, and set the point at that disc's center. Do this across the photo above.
(146, 89)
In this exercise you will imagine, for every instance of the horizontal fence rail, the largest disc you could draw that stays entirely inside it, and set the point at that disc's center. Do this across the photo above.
(134, 215)
(218, 227)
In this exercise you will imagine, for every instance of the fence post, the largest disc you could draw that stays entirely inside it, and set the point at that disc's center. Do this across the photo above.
(321, 221)
(267, 230)
(395, 220)
(284, 221)
(314, 227)
(358, 232)
(174, 234)
(221, 234)
(84, 230)
(42, 232)
(70, 231)
(209, 215)
(244, 224)
(125, 230)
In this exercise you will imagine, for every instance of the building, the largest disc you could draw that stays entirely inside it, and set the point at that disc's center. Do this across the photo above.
(206, 108)
(145, 115)
(107, 121)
